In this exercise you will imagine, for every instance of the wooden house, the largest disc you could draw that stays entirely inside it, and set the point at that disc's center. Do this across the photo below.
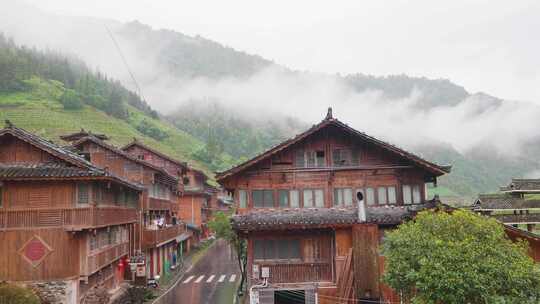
(186, 212)
(160, 231)
(66, 226)
(194, 203)
(307, 203)
(516, 205)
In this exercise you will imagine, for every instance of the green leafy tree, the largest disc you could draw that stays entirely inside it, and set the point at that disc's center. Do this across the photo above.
(459, 257)
(221, 225)
(14, 294)
(71, 100)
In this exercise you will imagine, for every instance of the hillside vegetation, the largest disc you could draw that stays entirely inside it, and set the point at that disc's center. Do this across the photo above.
(51, 95)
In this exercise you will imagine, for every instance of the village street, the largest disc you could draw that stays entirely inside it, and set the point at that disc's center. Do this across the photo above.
(212, 280)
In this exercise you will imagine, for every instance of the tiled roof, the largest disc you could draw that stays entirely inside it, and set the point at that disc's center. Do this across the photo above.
(522, 185)
(503, 201)
(45, 170)
(305, 218)
(173, 181)
(137, 143)
(75, 166)
(330, 121)
(47, 146)
(82, 133)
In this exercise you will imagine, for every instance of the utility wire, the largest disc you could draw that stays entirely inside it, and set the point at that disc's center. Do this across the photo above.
(139, 91)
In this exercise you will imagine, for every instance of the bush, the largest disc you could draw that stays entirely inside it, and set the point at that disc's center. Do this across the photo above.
(71, 100)
(459, 257)
(151, 130)
(14, 294)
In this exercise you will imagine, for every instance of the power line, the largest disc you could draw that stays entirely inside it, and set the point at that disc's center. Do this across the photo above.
(139, 91)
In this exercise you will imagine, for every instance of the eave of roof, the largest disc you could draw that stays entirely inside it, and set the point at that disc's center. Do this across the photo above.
(47, 146)
(431, 167)
(315, 218)
(128, 156)
(156, 152)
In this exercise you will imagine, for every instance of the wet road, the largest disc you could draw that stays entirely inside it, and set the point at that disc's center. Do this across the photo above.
(212, 281)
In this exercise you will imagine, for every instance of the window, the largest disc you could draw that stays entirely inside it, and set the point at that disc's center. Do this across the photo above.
(283, 196)
(263, 198)
(392, 195)
(310, 159)
(82, 193)
(131, 166)
(370, 196)
(242, 198)
(416, 194)
(159, 191)
(93, 242)
(343, 197)
(412, 194)
(295, 198)
(407, 195)
(1, 195)
(272, 249)
(299, 159)
(313, 198)
(381, 195)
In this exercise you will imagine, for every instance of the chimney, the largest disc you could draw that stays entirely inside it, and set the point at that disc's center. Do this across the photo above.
(362, 213)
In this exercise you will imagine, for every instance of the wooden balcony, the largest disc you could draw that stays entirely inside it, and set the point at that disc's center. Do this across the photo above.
(101, 258)
(155, 237)
(299, 272)
(159, 204)
(517, 218)
(67, 218)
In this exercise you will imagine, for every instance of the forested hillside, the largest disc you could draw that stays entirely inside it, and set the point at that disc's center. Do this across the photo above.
(256, 103)
(53, 94)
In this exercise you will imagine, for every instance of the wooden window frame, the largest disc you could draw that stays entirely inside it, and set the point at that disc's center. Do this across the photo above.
(263, 198)
(275, 250)
(288, 191)
(88, 193)
(412, 186)
(344, 204)
(313, 190)
(245, 192)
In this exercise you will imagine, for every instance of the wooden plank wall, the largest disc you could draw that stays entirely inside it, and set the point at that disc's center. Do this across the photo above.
(365, 240)
(61, 263)
(15, 150)
(42, 194)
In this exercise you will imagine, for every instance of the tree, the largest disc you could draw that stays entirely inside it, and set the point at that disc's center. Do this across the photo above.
(221, 225)
(14, 294)
(71, 100)
(459, 257)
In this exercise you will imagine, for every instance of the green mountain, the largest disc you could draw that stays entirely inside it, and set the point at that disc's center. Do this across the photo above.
(51, 94)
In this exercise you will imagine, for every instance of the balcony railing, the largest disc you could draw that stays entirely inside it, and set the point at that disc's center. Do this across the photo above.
(299, 272)
(68, 218)
(96, 261)
(154, 237)
(159, 204)
(518, 218)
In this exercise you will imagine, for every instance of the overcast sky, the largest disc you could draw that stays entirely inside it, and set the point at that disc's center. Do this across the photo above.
(490, 46)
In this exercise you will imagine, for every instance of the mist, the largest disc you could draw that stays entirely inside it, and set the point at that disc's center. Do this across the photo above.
(500, 127)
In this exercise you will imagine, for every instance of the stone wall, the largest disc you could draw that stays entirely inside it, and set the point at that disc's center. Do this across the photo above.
(52, 292)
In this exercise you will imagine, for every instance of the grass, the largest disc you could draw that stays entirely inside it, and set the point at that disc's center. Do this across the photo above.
(39, 111)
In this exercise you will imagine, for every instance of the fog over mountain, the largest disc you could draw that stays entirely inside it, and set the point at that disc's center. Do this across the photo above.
(436, 118)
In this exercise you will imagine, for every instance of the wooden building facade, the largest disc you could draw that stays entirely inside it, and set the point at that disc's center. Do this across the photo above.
(160, 231)
(62, 219)
(308, 203)
(189, 203)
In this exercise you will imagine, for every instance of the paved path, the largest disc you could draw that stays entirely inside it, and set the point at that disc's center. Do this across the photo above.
(212, 281)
